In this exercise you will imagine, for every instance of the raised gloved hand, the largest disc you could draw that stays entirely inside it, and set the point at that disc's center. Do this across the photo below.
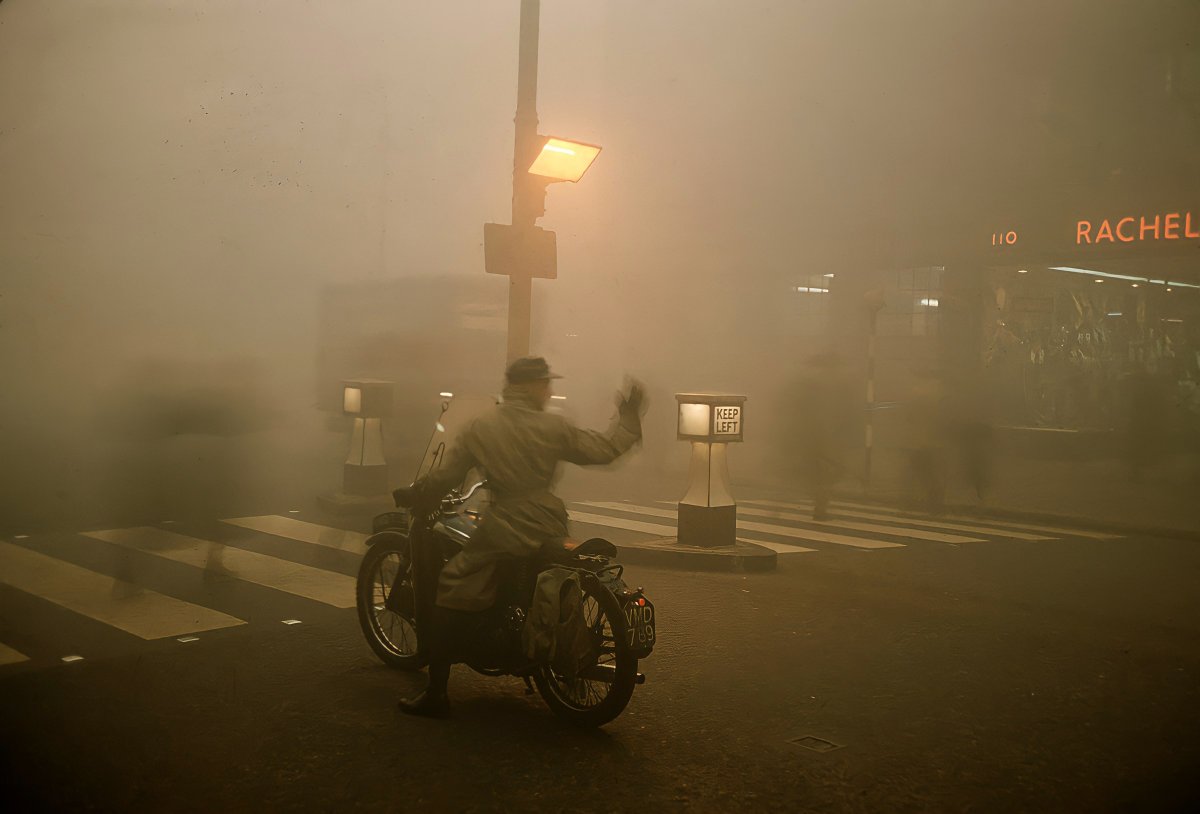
(634, 403)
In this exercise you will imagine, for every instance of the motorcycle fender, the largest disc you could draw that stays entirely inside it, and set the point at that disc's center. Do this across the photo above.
(390, 521)
(392, 536)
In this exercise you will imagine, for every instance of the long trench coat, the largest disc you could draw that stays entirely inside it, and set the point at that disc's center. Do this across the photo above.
(519, 447)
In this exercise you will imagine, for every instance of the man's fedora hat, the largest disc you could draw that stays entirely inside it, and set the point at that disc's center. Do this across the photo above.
(529, 369)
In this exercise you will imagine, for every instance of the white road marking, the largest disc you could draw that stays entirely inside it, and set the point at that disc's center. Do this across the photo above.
(669, 531)
(905, 515)
(806, 506)
(746, 525)
(9, 655)
(290, 577)
(303, 531)
(622, 523)
(874, 528)
(69, 659)
(147, 614)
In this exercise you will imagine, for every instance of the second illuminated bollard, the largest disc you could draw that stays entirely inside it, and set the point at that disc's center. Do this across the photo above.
(708, 513)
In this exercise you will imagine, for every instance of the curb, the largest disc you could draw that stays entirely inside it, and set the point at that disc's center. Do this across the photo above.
(668, 553)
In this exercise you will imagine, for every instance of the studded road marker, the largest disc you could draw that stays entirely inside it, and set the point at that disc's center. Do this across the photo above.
(814, 743)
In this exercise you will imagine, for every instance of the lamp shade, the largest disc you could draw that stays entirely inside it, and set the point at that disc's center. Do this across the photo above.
(563, 159)
(368, 398)
(695, 419)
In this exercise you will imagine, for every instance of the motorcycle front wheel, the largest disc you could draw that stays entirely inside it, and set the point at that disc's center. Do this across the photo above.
(386, 602)
(600, 692)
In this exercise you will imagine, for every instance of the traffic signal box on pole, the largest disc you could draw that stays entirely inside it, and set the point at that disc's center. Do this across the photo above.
(520, 250)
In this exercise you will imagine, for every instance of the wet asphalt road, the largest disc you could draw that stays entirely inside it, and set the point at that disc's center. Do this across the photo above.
(1014, 676)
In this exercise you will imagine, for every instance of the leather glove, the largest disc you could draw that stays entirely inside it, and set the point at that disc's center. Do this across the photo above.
(635, 402)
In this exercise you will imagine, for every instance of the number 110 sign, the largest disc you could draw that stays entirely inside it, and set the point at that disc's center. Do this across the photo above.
(712, 417)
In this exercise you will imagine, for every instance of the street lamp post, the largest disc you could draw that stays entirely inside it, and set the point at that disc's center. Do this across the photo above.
(527, 203)
(523, 250)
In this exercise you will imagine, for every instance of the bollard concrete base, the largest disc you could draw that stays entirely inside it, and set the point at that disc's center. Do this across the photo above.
(668, 552)
(707, 526)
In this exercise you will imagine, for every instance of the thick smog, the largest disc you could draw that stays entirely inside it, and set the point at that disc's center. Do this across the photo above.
(505, 404)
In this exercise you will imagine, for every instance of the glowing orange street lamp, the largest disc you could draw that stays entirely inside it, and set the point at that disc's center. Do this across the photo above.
(564, 160)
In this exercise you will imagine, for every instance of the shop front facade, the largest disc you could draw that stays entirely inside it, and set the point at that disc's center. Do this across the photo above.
(1074, 319)
(1090, 321)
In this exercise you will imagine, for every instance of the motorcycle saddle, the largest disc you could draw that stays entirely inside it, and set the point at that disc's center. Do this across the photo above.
(595, 547)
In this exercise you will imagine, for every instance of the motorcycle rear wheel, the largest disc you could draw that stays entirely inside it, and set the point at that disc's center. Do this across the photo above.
(388, 620)
(601, 696)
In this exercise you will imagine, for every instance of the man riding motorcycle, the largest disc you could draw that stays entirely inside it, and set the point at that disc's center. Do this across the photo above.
(518, 444)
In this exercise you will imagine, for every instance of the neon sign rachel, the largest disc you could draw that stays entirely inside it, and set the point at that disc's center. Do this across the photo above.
(1170, 226)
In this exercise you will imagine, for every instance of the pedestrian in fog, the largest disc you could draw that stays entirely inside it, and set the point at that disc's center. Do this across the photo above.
(1146, 420)
(825, 413)
(971, 426)
(926, 433)
(182, 427)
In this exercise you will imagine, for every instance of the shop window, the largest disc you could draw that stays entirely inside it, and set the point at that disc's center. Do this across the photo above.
(911, 307)
(1069, 352)
(812, 302)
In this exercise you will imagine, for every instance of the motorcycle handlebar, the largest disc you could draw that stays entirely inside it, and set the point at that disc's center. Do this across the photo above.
(409, 497)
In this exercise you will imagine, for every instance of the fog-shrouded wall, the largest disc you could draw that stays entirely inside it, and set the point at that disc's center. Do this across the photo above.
(184, 186)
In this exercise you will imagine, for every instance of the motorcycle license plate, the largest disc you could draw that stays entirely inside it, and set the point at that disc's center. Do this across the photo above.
(639, 625)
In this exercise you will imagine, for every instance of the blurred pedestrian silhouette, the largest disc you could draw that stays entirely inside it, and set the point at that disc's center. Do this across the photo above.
(925, 434)
(182, 426)
(1146, 420)
(825, 412)
(970, 423)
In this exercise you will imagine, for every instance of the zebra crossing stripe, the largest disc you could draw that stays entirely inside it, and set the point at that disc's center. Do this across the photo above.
(290, 577)
(146, 614)
(623, 523)
(903, 516)
(670, 531)
(894, 530)
(908, 521)
(9, 655)
(303, 531)
(764, 528)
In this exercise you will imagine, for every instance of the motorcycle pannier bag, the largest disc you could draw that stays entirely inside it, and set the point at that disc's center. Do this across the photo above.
(555, 631)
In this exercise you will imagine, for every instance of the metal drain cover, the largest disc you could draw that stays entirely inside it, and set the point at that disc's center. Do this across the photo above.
(814, 743)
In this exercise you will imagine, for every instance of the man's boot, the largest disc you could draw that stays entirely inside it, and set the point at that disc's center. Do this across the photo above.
(430, 703)
(434, 702)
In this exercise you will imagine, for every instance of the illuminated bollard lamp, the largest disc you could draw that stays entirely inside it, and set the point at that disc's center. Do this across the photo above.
(365, 472)
(708, 513)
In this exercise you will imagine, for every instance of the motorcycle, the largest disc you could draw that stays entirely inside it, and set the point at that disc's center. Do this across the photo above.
(620, 620)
